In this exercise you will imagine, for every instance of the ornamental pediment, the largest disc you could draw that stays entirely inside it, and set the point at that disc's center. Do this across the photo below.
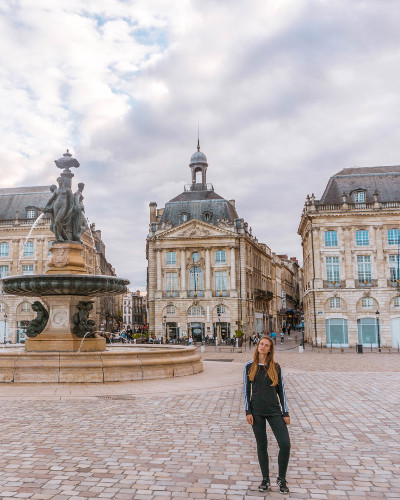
(195, 229)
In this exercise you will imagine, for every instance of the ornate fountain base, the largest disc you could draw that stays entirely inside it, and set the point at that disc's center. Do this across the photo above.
(57, 336)
(67, 258)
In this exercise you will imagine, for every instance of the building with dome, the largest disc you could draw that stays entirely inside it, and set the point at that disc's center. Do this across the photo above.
(207, 274)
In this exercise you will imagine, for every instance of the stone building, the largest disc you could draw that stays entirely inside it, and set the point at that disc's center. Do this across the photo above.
(134, 312)
(351, 248)
(207, 274)
(24, 249)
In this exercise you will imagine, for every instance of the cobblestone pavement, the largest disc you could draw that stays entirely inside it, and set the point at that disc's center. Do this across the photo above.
(188, 438)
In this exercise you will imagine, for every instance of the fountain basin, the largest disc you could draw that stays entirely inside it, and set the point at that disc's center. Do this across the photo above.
(113, 365)
(86, 285)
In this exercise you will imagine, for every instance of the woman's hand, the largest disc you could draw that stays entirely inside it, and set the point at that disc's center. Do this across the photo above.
(287, 420)
(249, 419)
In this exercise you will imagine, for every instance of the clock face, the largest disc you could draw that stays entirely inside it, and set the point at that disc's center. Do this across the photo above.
(195, 256)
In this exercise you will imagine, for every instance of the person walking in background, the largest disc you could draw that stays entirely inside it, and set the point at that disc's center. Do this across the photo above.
(265, 400)
(282, 334)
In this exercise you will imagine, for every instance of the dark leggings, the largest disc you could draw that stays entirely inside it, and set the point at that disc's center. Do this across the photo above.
(281, 433)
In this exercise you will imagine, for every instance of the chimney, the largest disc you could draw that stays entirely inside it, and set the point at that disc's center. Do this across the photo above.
(153, 211)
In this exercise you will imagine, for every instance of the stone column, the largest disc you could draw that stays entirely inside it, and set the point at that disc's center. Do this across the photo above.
(208, 291)
(348, 259)
(382, 276)
(15, 254)
(233, 269)
(317, 257)
(208, 270)
(159, 284)
(183, 293)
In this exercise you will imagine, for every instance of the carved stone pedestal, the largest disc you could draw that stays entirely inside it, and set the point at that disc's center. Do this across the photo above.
(67, 258)
(58, 336)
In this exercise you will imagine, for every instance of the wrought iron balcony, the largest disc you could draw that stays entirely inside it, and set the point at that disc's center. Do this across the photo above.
(334, 284)
(366, 283)
(170, 293)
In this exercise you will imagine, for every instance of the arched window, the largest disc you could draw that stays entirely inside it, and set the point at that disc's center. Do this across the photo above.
(171, 309)
(195, 311)
(184, 217)
(207, 216)
(396, 302)
(367, 303)
(334, 302)
(221, 309)
(196, 284)
(26, 307)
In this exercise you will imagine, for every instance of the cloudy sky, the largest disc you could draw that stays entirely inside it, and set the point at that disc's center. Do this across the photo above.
(288, 93)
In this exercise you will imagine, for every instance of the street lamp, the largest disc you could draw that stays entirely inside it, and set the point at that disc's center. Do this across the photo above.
(164, 330)
(219, 324)
(378, 332)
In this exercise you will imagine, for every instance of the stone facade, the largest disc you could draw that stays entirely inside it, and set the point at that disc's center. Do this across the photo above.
(351, 247)
(207, 274)
(22, 255)
(134, 312)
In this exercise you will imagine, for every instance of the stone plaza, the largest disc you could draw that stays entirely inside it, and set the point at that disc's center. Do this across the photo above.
(188, 438)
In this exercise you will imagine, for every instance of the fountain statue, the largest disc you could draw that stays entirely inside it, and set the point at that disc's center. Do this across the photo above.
(63, 317)
(62, 344)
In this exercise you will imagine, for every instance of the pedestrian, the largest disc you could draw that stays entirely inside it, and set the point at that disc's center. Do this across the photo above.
(282, 334)
(273, 336)
(265, 399)
(250, 340)
(288, 331)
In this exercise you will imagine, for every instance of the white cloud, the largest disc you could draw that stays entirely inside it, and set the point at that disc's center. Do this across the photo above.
(289, 92)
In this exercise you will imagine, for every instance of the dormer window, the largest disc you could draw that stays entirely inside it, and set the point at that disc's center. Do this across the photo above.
(207, 216)
(359, 196)
(31, 213)
(184, 217)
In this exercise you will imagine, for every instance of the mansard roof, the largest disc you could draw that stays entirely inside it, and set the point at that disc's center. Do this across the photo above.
(19, 199)
(384, 180)
(196, 204)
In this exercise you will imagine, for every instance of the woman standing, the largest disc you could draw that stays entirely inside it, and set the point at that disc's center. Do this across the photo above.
(263, 385)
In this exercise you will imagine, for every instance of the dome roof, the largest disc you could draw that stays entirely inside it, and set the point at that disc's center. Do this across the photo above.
(198, 157)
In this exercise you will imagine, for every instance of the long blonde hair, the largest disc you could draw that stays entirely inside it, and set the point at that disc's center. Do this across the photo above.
(269, 364)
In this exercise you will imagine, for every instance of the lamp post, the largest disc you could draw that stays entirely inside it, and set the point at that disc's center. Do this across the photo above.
(164, 330)
(219, 324)
(378, 332)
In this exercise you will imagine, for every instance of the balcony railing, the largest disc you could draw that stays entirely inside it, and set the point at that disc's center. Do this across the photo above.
(263, 294)
(170, 293)
(394, 283)
(199, 293)
(366, 283)
(334, 284)
(221, 293)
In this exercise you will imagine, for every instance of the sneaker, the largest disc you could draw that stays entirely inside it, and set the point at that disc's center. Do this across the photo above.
(265, 485)
(282, 485)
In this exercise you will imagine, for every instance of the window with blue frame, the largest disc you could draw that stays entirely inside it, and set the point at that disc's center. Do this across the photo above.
(331, 239)
(362, 238)
(393, 236)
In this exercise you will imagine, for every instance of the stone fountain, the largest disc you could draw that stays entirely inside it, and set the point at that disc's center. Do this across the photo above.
(62, 344)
